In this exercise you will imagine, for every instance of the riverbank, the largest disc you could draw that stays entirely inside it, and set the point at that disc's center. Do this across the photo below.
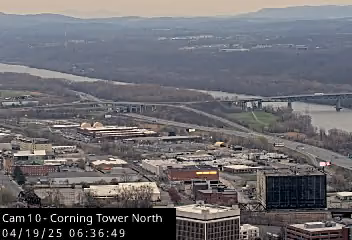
(323, 116)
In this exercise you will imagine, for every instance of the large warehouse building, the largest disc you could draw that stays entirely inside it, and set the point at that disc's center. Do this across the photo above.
(98, 131)
(303, 188)
(111, 191)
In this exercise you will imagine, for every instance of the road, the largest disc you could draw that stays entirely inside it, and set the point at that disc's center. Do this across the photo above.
(9, 185)
(310, 151)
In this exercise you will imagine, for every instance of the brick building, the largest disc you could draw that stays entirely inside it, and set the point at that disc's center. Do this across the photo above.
(187, 173)
(36, 170)
(317, 230)
(221, 196)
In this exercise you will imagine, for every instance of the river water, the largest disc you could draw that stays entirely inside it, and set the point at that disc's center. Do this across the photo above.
(323, 116)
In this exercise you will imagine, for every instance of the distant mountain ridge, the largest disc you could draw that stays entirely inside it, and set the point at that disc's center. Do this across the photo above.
(302, 12)
(289, 13)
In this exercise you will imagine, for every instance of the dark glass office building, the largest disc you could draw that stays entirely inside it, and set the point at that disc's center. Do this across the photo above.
(303, 188)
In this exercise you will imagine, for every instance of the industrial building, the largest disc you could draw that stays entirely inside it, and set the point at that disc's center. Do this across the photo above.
(249, 232)
(111, 191)
(240, 169)
(293, 188)
(207, 222)
(108, 164)
(187, 173)
(115, 175)
(36, 170)
(317, 230)
(98, 131)
(157, 167)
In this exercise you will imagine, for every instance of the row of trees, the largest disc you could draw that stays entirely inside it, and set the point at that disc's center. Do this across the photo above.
(129, 197)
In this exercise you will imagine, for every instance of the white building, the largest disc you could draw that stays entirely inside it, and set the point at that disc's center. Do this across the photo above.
(240, 169)
(208, 222)
(249, 232)
(110, 191)
(158, 166)
(108, 164)
(344, 196)
(64, 148)
(55, 162)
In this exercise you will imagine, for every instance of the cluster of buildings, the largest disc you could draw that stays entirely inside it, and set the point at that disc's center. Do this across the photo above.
(99, 131)
(204, 221)
(216, 179)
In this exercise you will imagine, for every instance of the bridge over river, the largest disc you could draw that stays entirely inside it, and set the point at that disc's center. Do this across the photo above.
(258, 101)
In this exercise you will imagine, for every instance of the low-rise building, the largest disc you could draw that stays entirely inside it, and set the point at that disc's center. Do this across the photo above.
(207, 222)
(240, 169)
(33, 144)
(36, 170)
(56, 162)
(159, 166)
(99, 131)
(317, 230)
(195, 157)
(108, 164)
(187, 173)
(221, 196)
(344, 196)
(37, 156)
(66, 196)
(111, 191)
(64, 149)
(249, 232)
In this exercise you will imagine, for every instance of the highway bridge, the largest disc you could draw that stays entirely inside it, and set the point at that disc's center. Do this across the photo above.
(337, 97)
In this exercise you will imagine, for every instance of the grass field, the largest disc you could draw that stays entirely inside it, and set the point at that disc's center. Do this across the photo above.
(263, 118)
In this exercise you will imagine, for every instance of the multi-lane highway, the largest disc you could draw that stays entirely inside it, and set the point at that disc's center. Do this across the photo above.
(310, 151)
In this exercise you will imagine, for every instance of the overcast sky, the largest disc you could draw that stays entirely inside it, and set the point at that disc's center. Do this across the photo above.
(151, 7)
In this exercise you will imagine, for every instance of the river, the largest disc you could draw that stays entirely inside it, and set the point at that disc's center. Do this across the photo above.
(323, 116)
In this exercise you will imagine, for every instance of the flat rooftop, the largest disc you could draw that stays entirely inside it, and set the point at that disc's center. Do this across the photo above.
(206, 212)
(113, 190)
(113, 161)
(344, 194)
(225, 191)
(317, 226)
(30, 153)
(293, 171)
(240, 167)
(195, 167)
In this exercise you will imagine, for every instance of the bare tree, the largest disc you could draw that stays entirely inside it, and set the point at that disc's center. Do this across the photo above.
(126, 197)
